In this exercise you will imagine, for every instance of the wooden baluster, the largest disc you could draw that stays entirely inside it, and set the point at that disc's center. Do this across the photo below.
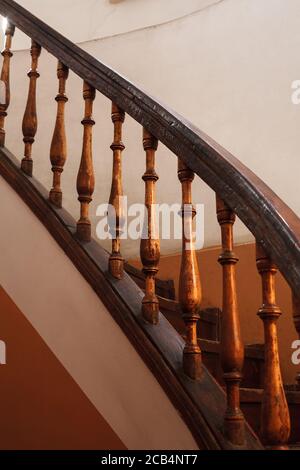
(5, 81)
(116, 261)
(296, 315)
(58, 151)
(189, 281)
(86, 179)
(150, 246)
(232, 349)
(275, 420)
(29, 125)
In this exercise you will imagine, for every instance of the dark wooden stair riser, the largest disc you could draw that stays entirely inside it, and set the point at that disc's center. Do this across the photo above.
(251, 407)
(253, 364)
(209, 334)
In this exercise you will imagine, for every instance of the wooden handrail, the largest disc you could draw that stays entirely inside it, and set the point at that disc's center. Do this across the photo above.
(239, 192)
(270, 220)
(202, 403)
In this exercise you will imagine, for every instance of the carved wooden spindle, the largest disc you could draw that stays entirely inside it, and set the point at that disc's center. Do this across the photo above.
(5, 81)
(85, 178)
(232, 349)
(150, 245)
(29, 125)
(116, 261)
(58, 151)
(296, 315)
(275, 420)
(189, 283)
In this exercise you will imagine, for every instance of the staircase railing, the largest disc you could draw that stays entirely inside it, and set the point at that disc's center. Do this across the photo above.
(239, 192)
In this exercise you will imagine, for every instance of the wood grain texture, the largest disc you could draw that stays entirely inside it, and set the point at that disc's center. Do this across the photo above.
(86, 177)
(201, 403)
(30, 122)
(116, 260)
(275, 419)
(296, 315)
(251, 401)
(190, 294)
(278, 230)
(247, 195)
(232, 348)
(58, 150)
(150, 244)
(5, 77)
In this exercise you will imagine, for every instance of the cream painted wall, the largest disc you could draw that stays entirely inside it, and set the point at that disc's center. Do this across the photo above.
(94, 19)
(227, 68)
(81, 333)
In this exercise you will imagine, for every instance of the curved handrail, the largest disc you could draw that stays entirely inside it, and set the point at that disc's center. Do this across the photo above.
(269, 219)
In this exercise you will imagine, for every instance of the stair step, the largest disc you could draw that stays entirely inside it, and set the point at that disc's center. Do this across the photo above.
(251, 406)
(208, 326)
(209, 340)
(163, 288)
(253, 364)
(295, 446)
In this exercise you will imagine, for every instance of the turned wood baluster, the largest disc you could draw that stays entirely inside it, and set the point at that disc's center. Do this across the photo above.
(232, 349)
(275, 420)
(296, 314)
(116, 261)
(29, 125)
(150, 245)
(58, 151)
(5, 81)
(86, 179)
(189, 281)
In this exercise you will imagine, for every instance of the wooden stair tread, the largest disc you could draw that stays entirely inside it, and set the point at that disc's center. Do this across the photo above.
(254, 395)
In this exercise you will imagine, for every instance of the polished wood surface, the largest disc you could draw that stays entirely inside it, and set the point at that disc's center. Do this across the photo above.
(5, 78)
(116, 260)
(251, 402)
(246, 194)
(30, 122)
(200, 403)
(296, 315)
(58, 150)
(150, 244)
(232, 348)
(86, 178)
(189, 282)
(275, 419)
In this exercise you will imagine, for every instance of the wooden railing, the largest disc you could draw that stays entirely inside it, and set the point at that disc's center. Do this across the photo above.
(239, 192)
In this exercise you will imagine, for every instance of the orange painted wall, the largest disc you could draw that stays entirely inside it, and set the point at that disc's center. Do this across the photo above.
(41, 407)
(249, 295)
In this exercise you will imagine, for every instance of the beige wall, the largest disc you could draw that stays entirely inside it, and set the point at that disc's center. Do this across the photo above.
(249, 295)
(72, 321)
(227, 68)
(94, 19)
